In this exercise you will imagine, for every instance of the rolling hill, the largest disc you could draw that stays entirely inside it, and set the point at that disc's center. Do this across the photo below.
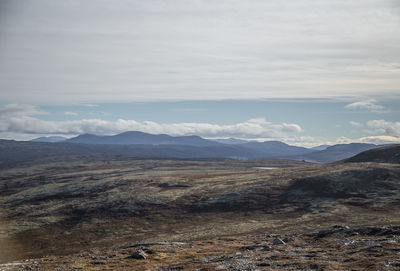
(387, 154)
(336, 152)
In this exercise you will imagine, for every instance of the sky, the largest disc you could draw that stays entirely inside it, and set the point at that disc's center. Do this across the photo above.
(305, 72)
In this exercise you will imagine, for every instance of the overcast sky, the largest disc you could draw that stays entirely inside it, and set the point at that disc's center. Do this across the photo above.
(55, 55)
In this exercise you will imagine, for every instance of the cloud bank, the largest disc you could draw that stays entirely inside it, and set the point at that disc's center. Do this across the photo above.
(19, 119)
(117, 51)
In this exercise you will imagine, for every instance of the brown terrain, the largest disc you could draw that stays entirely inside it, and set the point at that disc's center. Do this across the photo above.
(126, 214)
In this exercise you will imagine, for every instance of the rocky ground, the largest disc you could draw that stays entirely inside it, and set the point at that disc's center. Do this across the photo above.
(200, 215)
(337, 248)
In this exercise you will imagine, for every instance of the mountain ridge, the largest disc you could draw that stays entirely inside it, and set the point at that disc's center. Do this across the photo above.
(266, 149)
(337, 152)
(136, 137)
(15, 152)
(52, 139)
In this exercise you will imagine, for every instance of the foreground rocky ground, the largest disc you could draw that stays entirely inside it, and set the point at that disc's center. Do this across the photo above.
(207, 215)
(337, 248)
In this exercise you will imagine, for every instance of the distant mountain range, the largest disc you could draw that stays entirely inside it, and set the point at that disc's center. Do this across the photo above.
(320, 147)
(136, 137)
(144, 145)
(51, 139)
(230, 141)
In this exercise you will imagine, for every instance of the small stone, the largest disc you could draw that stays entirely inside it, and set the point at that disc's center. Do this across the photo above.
(287, 239)
(150, 251)
(139, 254)
(98, 262)
(253, 247)
(176, 267)
(278, 241)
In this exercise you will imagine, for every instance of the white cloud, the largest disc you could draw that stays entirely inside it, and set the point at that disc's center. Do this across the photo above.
(70, 113)
(288, 127)
(370, 105)
(380, 140)
(307, 141)
(88, 105)
(188, 110)
(258, 121)
(384, 127)
(356, 124)
(20, 110)
(382, 132)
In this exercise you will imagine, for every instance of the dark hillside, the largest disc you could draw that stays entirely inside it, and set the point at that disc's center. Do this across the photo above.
(336, 152)
(388, 154)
